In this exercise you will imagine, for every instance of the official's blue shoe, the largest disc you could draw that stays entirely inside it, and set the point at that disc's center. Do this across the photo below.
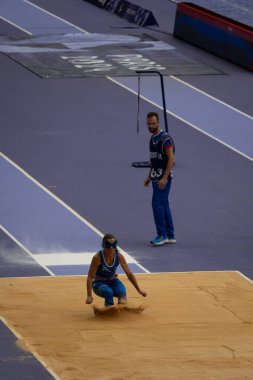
(159, 240)
(171, 240)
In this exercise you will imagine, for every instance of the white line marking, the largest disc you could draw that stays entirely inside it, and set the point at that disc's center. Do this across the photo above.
(235, 6)
(67, 258)
(140, 266)
(26, 250)
(51, 194)
(34, 353)
(244, 276)
(70, 258)
(181, 119)
(57, 17)
(16, 26)
(211, 97)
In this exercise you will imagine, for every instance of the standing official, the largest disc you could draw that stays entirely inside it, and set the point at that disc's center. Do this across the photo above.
(162, 150)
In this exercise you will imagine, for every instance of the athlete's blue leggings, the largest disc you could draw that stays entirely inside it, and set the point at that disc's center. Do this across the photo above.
(108, 289)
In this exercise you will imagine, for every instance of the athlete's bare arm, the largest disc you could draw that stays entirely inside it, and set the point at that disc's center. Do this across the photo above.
(131, 277)
(91, 275)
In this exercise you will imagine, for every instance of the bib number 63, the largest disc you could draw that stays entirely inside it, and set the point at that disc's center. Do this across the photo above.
(156, 173)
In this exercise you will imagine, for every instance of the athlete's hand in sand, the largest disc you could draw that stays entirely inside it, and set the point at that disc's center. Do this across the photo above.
(143, 293)
(89, 299)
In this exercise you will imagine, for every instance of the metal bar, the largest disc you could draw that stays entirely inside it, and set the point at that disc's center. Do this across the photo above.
(163, 94)
(146, 164)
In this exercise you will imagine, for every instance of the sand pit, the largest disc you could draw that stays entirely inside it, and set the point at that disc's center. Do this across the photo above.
(195, 326)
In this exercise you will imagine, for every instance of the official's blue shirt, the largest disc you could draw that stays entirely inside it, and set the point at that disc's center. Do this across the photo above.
(158, 159)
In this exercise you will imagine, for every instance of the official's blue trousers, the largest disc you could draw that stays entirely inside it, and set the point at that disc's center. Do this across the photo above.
(161, 210)
(108, 289)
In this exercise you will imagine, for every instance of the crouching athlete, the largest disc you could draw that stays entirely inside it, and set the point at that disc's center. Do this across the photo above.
(102, 277)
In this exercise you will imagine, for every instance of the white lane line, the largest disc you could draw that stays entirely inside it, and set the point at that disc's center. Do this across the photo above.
(57, 17)
(244, 276)
(181, 119)
(16, 26)
(29, 347)
(26, 250)
(232, 5)
(51, 194)
(211, 97)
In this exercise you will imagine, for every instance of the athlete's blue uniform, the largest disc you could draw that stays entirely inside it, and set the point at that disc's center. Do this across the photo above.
(106, 287)
(160, 202)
